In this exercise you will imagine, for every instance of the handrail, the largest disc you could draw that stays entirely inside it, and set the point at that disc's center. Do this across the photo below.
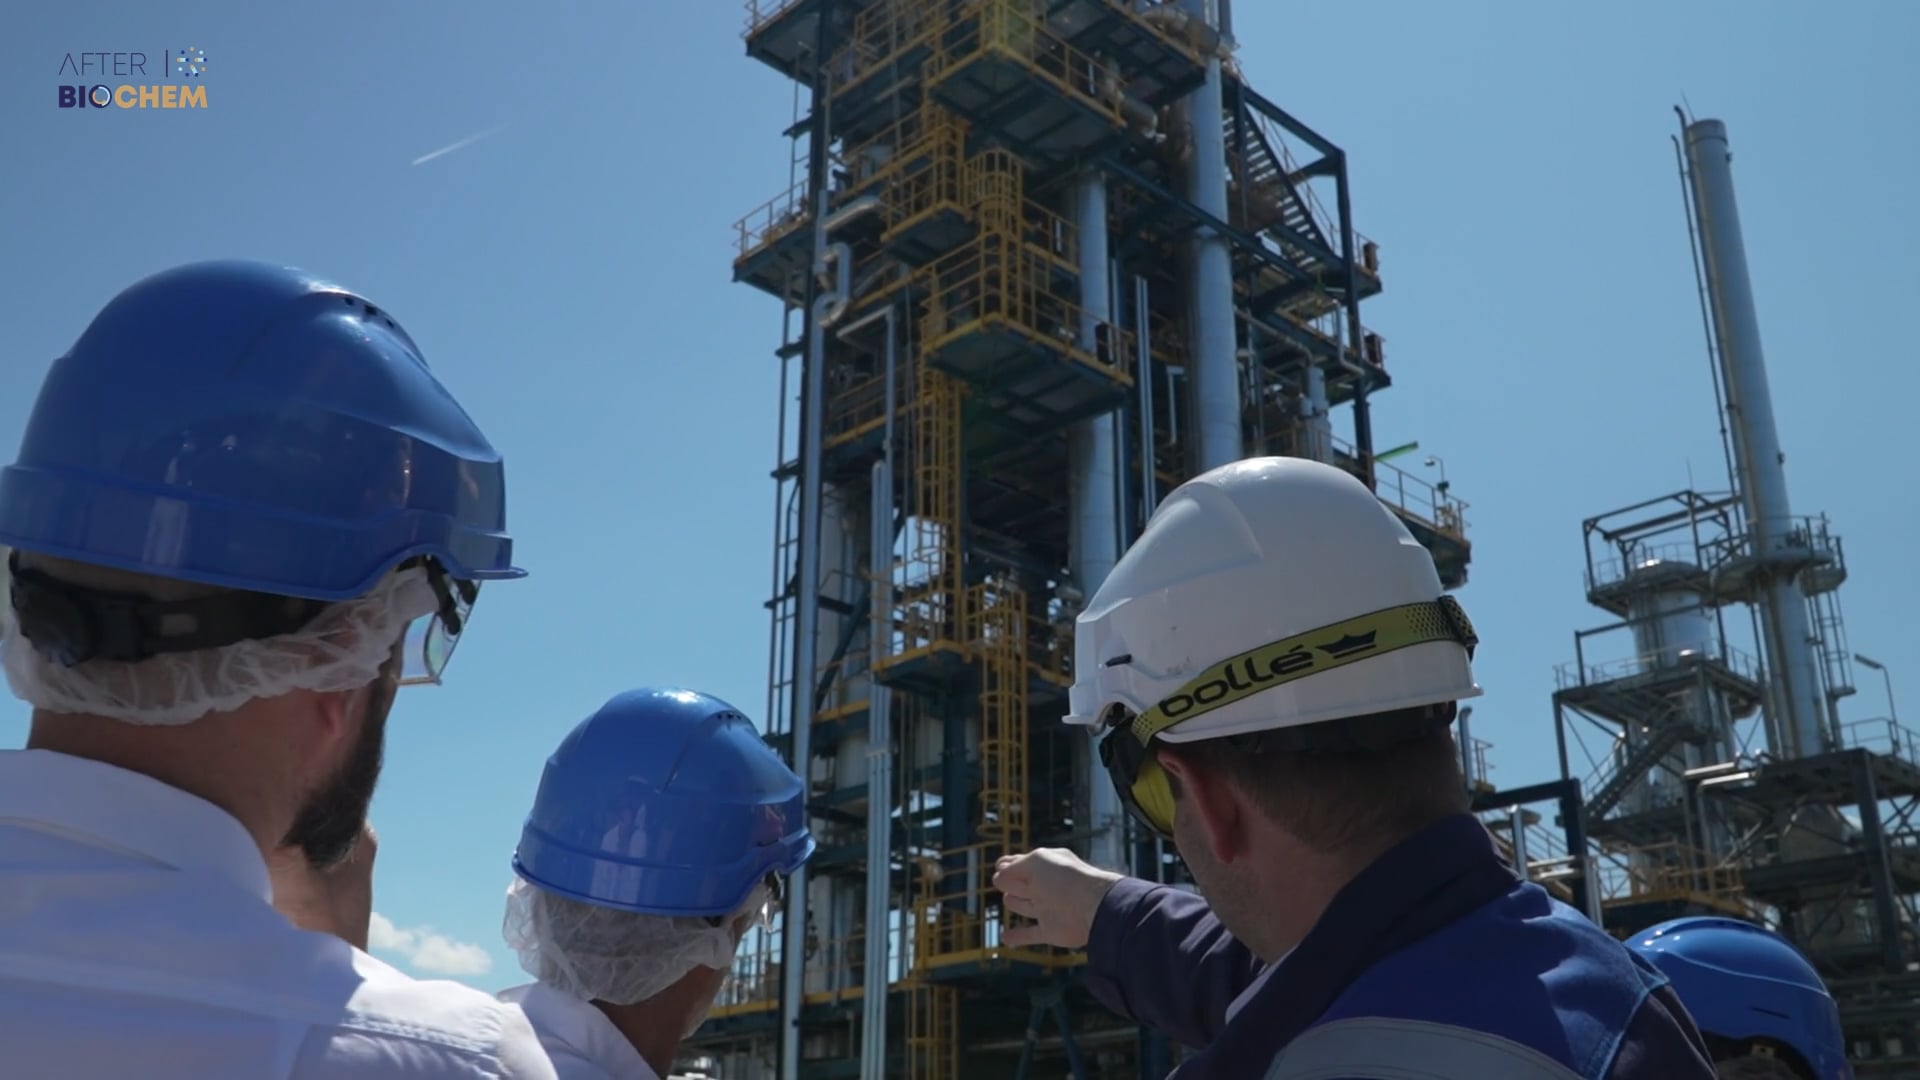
(1617, 569)
(1882, 735)
(762, 12)
(959, 914)
(772, 219)
(1573, 673)
(881, 32)
(1011, 29)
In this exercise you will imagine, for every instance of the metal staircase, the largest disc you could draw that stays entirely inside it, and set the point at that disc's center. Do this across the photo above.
(1274, 204)
(1665, 737)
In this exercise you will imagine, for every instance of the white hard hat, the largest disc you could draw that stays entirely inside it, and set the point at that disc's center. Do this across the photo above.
(1269, 593)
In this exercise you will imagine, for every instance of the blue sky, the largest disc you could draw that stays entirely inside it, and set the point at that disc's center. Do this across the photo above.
(568, 276)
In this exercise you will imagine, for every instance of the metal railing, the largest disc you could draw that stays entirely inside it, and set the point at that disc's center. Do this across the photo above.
(1806, 537)
(1574, 673)
(835, 966)
(1672, 870)
(762, 12)
(882, 33)
(991, 281)
(1645, 557)
(1009, 28)
(1882, 735)
(772, 220)
(959, 917)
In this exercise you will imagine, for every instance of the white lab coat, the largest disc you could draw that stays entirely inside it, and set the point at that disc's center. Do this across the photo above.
(138, 939)
(582, 1043)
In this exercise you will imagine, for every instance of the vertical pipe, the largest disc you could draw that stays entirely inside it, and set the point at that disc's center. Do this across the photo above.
(793, 935)
(1873, 835)
(1316, 423)
(1517, 834)
(1143, 364)
(1214, 364)
(1466, 748)
(1093, 461)
(1349, 258)
(1762, 466)
(875, 962)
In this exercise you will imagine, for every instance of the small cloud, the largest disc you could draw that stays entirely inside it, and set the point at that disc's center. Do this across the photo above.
(452, 146)
(425, 950)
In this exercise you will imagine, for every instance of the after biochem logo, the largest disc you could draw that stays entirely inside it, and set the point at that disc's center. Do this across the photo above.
(166, 79)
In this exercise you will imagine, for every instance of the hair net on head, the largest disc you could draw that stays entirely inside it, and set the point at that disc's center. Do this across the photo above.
(343, 648)
(605, 954)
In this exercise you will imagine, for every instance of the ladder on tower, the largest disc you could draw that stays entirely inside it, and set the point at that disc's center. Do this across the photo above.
(933, 1032)
(1830, 632)
(1000, 635)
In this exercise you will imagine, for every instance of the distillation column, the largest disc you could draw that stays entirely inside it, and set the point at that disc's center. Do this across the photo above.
(1797, 697)
(1215, 378)
(1094, 488)
(1672, 630)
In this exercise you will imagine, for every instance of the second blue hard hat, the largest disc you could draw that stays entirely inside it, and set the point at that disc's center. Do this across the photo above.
(664, 802)
(1743, 982)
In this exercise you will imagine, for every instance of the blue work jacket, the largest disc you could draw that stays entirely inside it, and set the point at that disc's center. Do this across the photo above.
(1435, 962)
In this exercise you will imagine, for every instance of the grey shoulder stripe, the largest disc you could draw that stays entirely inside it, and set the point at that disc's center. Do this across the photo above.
(1381, 1048)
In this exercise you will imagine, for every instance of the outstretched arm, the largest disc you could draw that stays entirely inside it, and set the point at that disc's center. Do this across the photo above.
(1158, 956)
(1155, 954)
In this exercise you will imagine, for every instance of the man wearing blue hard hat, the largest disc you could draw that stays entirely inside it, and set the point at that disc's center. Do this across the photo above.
(1764, 1010)
(663, 827)
(243, 514)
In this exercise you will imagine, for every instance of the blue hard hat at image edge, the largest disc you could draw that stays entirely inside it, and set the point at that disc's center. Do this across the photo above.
(1742, 981)
(252, 426)
(664, 802)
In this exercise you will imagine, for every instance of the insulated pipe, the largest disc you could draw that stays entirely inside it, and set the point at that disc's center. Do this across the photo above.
(1143, 367)
(806, 640)
(874, 978)
(1795, 675)
(1215, 376)
(793, 937)
(838, 262)
(1093, 453)
(1517, 837)
(1315, 421)
(1466, 748)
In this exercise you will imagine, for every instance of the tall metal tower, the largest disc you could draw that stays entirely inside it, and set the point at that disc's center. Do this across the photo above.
(1727, 781)
(1040, 261)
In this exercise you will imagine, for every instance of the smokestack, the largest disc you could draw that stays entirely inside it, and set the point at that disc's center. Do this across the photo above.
(1777, 547)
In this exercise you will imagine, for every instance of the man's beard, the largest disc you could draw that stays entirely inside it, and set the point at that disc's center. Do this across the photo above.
(331, 821)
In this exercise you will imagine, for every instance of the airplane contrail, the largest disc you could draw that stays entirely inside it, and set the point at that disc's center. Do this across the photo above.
(451, 147)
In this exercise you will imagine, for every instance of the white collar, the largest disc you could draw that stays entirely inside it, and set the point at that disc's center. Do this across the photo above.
(566, 1023)
(109, 805)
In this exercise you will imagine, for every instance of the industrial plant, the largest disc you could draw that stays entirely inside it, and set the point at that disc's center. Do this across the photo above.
(1039, 261)
(1706, 767)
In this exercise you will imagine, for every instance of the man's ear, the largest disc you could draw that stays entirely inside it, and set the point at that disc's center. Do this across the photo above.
(1218, 813)
(333, 708)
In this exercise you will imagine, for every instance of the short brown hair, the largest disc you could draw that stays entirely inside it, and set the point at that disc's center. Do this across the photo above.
(1356, 781)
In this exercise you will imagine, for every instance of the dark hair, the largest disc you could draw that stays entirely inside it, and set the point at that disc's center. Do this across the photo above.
(1755, 1059)
(1347, 782)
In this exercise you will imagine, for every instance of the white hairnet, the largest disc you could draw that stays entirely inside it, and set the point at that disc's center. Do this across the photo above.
(342, 649)
(605, 954)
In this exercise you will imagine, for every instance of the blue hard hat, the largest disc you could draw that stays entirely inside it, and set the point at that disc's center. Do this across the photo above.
(1744, 982)
(665, 802)
(253, 427)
